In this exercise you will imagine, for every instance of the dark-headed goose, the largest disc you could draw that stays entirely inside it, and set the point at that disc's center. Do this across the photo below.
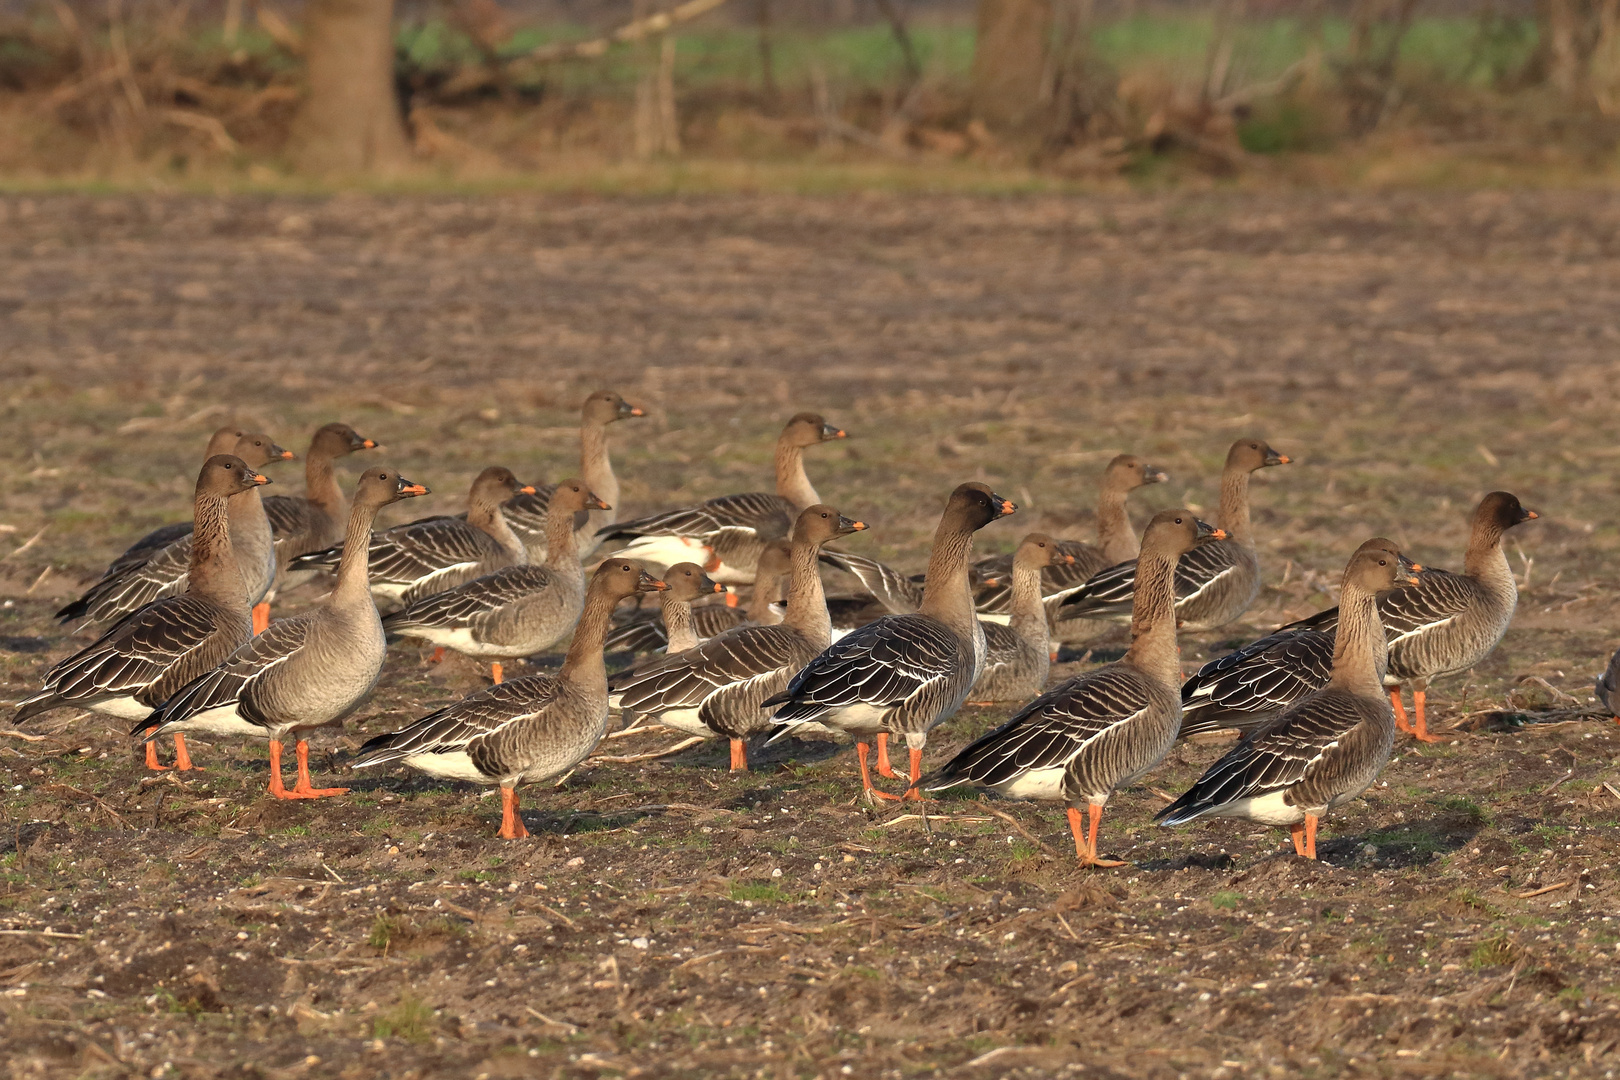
(314, 520)
(1325, 750)
(725, 535)
(1217, 581)
(718, 687)
(303, 672)
(429, 556)
(1083, 739)
(903, 674)
(148, 655)
(530, 729)
(513, 612)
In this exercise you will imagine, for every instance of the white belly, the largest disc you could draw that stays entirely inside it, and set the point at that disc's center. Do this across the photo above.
(223, 720)
(857, 719)
(1266, 809)
(462, 641)
(686, 720)
(999, 620)
(1044, 784)
(665, 551)
(452, 766)
(125, 708)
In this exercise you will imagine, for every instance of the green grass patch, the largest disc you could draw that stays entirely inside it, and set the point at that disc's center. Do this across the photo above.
(1494, 951)
(1225, 900)
(411, 1020)
(758, 892)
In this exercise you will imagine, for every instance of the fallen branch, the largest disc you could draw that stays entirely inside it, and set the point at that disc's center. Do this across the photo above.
(635, 30)
(13, 733)
(1544, 889)
(208, 125)
(1009, 819)
(666, 752)
(42, 933)
(30, 542)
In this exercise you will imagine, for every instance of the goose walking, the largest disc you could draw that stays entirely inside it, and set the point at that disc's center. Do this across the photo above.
(1099, 731)
(528, 730)
(719, 687)
(303, 672)
(1217, 581)
(903, 674)
(514, 612)
(148, 655)
(725, 535)
(1325, 750)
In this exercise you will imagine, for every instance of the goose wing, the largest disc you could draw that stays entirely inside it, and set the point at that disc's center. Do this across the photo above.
(233, 681)
(894, 590)
(766, 516)
(142, 549)
(457, 726)
(289, 515)
(687, 679)
(121, 592)
(995, 595)
(1110, 593)
(883, 664)
(1438, 597)
(526, 514)
(467, 603)
(1259, 681)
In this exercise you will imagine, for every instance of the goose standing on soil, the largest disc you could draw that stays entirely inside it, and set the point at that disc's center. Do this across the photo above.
(150, 570)
(145, 657)
(527, 512)
(1254, 685)
(1215, 582)
(903, 674)
(303, 672)
(530, 729)
(1018, 654)
(314, 520)
(718, 688)
(645, 631)
(1085, 738)
(513, 612)
(725, 535)
(1325, 750)
(429, 556)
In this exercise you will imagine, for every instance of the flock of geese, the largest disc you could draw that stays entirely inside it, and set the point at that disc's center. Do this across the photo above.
(188, 645)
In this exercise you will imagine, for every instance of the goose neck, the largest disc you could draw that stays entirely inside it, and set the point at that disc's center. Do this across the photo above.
(947, 594)
(1114, 533)
(1235, 505)
(213, 572)
(583, 667)
(352, 587)
(1153, 618)
(792, 483)
(807, 601)
(1359, 648)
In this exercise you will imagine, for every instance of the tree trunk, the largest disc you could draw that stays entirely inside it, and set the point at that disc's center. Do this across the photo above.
(1009, 63)
(350, 121)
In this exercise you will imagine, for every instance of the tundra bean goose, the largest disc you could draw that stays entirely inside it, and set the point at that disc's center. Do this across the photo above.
(1087, 737)
(902, 674)
(516, 611)
(146, 656)
(725, 535)
(304, 672)
(222, 441)
(1325, 750)
(147, 573)
(687, 582)
(527, 512)
(1608, 687)
(643, 630)
(1018, 654)
(528, 730)
(1217, 581)
(718, 687)
(429, 556)
(316, 519)
(1256, 684)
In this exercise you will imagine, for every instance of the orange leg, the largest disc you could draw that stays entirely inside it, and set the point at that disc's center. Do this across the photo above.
(511, 818)
(438, 655)
(1091, 858)
(739, 756)
(302, 788)
(1310, 836)
(182, 759)
(261, 618)
(1077, 826)
(1400, 710)
(883, 766)
(1421, 732)
(495, 672)
(862, 749)
(914, 792)
(152, 758)
(1296, 833)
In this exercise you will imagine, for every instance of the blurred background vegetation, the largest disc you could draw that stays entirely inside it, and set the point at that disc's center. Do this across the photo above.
(726, 92)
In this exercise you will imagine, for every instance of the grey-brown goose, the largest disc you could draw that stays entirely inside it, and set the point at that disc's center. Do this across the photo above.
(903, 674)
(1217, 581)
(643, 630)
(145, 657)
(303, 672)
(1080, 741)
(315, 520)
(1018, 653)
(718, 687)
(687, 582)
(527, 512)
(1608, 687)
(726, 535)
(516, 611)
(429, 556)
(1325, 750)
(147, 573)
(222, 441)
(530, 729)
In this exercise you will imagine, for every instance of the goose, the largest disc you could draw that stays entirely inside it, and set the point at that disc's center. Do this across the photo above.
(222, 441)
(1323, 751)
(1018, 654)
(687, 582)
(1215, 583)
(1097, 732)
(516, 611)
(313, 521)
(429, 556)
(1252, 686)
(302, 672)
(903, 674)
(1607, 685)
(146, 656)
(644, 630)
(528, 730)
(527, 512)
(717, 688)
(152, 571)
(1442, 626)
(726, 534)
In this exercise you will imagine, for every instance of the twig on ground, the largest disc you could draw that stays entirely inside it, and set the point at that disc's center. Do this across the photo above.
(665, 752)
(1009, 819)
(1544, 889)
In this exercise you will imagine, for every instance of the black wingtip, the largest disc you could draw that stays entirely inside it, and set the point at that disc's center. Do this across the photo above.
(774, 700)
(78, 609)
(147, 724)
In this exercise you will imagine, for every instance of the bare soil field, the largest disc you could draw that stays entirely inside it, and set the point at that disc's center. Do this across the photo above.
(1410, 351)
